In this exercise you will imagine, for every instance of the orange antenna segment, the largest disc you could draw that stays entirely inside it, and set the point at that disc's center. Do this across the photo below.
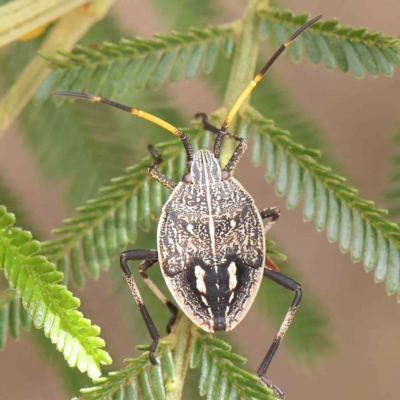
(262, 72)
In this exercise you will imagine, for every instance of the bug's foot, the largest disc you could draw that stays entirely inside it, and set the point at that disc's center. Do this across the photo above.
(272, 214)
(202, 116)
(153, 349)
(156, 156)
(275, 388)
(171, 323)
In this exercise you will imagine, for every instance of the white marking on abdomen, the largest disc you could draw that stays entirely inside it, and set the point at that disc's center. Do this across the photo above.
(204, 300)
(232, 296)
(232, 276)
(200, 284)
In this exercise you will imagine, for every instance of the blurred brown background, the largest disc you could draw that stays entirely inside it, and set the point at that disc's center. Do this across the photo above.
(360, 117)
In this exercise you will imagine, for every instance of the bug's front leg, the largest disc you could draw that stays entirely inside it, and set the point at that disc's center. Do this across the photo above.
(155, 173)
(295, 287)
(138, 255)
(240, 149)
(271, 215)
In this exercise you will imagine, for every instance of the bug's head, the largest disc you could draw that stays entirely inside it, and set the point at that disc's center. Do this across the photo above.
(204, 169)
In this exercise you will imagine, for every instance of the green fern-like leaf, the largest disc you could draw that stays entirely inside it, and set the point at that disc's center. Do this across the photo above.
(308, 334)
(12, 316)
(220, 377)
(139, 378)
(111, 68)
(349, 48)
(392, 194)
(50, 305)
(354, 222)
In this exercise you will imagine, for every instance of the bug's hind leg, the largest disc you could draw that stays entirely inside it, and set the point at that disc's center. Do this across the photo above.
(295, 287)
(144, 266)
(155, 173)
(139, 255)
(271, 215)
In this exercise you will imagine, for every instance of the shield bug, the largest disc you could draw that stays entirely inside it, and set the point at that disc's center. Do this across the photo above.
(210, 237)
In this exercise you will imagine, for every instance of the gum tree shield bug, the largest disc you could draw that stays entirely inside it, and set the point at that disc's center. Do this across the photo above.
(210, 235)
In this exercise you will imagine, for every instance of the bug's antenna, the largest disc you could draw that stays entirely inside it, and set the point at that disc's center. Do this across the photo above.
(253, 83)
(158, 121)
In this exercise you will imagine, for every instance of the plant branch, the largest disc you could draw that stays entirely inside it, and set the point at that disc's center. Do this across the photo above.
(62, 36)
(22, 17)
(186, 333)
(243, 67)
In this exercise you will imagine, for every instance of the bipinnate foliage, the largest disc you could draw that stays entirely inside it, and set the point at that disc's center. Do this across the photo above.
(111, 68)
(105, 225)
(50, 305)
(12, 317)
(221, 377)
(358, 226)
(139, 378)
(392, 193)
(353, 49)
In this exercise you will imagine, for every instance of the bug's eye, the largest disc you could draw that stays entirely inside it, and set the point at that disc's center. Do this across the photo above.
(187, 178)
(224, 175)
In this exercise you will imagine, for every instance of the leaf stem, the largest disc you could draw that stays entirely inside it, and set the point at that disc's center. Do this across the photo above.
(244, 64)
(186, 333)
(243, 71)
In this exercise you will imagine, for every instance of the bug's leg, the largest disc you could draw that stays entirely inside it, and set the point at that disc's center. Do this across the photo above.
(295, 287)
(155, 154)
(144, 266)
(240, 149)
(155, 173)
(139, 255)
(271, 215)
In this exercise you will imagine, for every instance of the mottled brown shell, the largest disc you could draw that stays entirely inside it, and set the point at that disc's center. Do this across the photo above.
(211, 246)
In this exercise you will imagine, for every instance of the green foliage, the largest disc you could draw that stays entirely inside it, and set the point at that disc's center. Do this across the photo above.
(127, 208)
(354, 222)
(220, 377)
(110, 69)
(139, 378)
(307, 336)
(50, 306)
(218, 364)
(349, 48)
(392, 193)
(12, 317)
(106, 224)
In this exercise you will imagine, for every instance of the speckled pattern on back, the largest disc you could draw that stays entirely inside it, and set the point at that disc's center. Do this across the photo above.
(211, 246)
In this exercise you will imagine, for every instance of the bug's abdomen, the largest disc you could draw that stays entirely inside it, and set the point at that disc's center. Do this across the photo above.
(215, 287)
(211, 252)
(216, 297)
